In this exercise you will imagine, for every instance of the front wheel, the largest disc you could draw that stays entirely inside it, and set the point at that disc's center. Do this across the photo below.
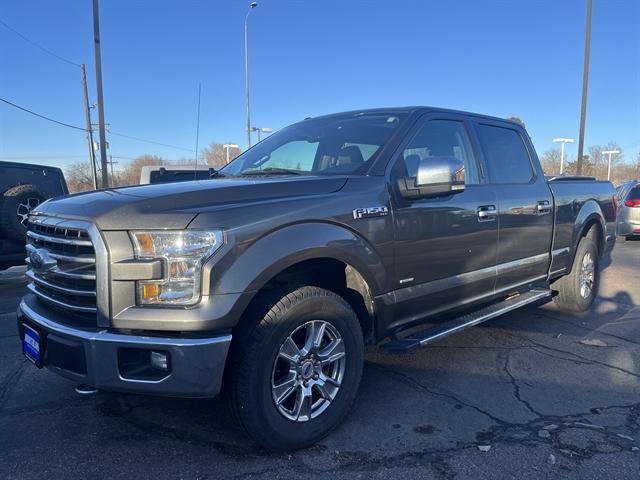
(578, 290)
(296, 371)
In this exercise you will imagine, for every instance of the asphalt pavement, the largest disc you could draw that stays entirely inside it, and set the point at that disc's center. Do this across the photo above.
(533, 394)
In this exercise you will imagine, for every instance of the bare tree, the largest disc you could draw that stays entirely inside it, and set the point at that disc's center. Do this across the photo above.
(216, 155)
(130, 174)
(600, 162)
(78, 177)
(635, 168)
(550, 161)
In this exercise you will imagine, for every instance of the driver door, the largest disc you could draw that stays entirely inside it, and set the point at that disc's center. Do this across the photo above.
(446, 250)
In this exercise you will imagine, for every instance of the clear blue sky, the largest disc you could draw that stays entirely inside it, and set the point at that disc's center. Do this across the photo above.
(502, 58)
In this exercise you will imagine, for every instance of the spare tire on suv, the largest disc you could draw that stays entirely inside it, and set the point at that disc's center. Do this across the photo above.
(15, 207)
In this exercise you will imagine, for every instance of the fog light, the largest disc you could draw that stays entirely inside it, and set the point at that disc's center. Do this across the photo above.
(160, 361)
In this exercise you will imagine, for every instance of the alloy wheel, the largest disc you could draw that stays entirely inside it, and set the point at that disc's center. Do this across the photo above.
(308, 371)
(587, 275)
(25, 208)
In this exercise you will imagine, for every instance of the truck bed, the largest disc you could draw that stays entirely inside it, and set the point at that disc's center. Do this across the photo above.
(576, 199)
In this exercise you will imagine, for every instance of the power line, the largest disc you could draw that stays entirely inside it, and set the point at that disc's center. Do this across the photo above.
(46, 50)
(41, 116)
(44, 117)
(151, 141)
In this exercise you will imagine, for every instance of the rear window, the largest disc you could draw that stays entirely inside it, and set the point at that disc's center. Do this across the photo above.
(506, 156)
(634, 194)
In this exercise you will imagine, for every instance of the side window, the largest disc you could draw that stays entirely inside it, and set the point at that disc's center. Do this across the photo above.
(506, 156)
(441, 138)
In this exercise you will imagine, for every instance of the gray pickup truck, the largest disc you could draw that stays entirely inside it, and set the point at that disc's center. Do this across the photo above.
(266, 281)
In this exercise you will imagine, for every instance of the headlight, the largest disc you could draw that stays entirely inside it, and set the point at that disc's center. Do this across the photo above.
(183, 252)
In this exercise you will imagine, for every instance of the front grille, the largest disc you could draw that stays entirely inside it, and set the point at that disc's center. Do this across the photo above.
(62, 265)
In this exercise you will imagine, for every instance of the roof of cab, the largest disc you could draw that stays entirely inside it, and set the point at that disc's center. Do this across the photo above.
(416, 109)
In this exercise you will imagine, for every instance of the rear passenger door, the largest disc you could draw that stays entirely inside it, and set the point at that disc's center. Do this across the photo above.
(525, 204)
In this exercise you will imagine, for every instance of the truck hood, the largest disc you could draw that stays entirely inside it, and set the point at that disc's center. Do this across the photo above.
(175, 205)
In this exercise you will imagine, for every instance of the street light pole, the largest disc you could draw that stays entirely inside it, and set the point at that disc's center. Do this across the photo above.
(562, 141)
(585, 83)
(227, 146)
(103, 140)
(246, 71)
(261, 130)
(609, 153)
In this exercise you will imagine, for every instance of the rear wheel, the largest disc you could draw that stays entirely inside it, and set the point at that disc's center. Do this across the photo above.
(296, 371)
(578, 290)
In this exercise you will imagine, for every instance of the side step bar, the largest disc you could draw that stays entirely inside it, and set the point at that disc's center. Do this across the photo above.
(425, 337)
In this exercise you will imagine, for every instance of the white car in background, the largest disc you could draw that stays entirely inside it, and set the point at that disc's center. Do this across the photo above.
(173, 173)
(628, 198)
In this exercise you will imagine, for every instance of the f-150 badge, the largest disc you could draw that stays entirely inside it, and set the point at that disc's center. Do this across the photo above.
(370, 212)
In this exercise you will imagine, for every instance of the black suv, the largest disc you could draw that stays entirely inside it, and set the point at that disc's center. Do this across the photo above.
(23, 187)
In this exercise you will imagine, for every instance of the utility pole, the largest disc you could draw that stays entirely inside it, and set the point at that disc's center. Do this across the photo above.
(585, 83)
(562, 141)
(111, 162)
(98, 59)
(87, 114)
(609, 153)
(246, 71)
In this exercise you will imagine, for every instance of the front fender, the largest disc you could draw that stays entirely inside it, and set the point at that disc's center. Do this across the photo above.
(253, 267)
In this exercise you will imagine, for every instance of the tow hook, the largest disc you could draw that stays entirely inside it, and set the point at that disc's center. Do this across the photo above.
(84, 389)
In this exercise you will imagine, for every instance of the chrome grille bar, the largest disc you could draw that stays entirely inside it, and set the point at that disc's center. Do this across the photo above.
(67, 306)
(68, 258)
(68, 273)
(63, 241)
(70, 291)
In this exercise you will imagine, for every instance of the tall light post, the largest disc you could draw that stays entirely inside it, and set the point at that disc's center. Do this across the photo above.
(562, 141)
(609, 153)
(585, 83)
(246, 70)
(261, 129)
(227, 146)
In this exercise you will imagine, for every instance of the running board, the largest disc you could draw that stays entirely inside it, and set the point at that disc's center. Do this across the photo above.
(425, 337)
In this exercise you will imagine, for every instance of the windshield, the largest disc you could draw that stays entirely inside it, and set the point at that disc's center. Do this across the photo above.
(337, 144)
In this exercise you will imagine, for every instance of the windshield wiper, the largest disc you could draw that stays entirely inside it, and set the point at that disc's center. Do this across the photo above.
(271, 171)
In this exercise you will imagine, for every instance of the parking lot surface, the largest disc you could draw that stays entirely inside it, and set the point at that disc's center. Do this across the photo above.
(533, 394)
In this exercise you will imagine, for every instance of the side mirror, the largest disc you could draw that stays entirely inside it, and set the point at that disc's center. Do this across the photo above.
(436, 176)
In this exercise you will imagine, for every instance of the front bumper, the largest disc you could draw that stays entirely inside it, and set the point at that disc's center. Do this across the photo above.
(103, 359)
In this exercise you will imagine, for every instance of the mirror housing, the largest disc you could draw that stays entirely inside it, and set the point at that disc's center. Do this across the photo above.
(436, 176)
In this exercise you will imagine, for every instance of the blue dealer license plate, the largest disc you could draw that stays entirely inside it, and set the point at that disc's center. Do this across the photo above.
(31, 345)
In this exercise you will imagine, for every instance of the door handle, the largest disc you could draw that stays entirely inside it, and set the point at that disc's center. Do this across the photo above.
(487, 213)
(543, 207)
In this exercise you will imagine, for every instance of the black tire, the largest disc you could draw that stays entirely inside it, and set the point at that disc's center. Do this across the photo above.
(16, 204)
(254, 362)
(571, 297)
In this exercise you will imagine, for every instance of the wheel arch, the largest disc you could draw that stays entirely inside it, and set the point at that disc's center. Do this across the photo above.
(589, 223)
(320, 254)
